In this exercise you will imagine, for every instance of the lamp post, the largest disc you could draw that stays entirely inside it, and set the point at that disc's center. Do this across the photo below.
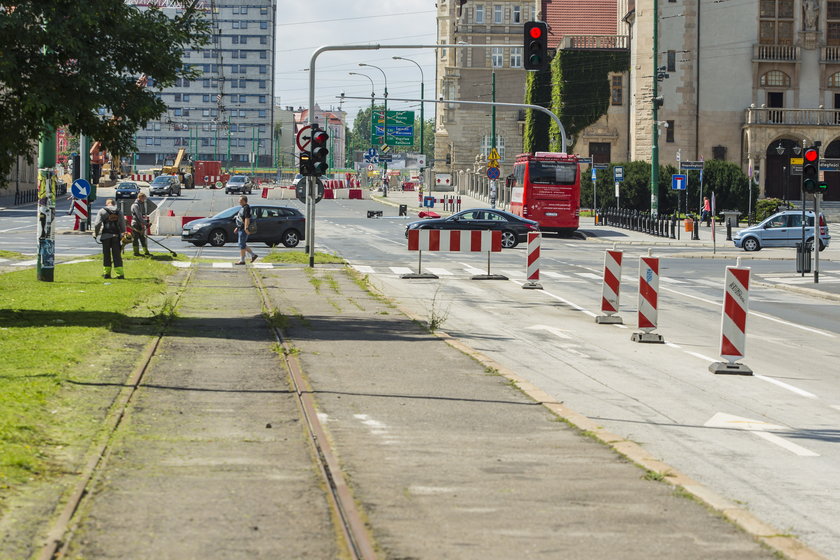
(422, 96)
(372, 96)
(384, 122)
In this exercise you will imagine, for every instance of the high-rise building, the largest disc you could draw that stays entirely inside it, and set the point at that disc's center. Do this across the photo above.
(227, 112)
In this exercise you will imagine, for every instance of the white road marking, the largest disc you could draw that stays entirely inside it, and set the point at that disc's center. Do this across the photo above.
(784, 385)
(77, 261)
(439, 271)
(553, 330)
(515, 273)
(757, 427)
(14, 229)
(471, 269)
(667, 280)
(26, 263)
(363, 269)
(589, 275)
(560, 299)
(222, 265)
(401, 270)
(181, 264)
(262, 265)
(556, 275)
(3, 260)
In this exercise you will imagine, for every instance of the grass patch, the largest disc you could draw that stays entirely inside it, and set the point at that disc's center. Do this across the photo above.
(50, 334)
(10, 255)
(287, 256)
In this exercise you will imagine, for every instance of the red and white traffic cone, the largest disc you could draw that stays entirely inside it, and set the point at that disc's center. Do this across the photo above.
(648, 301)
(610, 289)
(532, 266)
(733, 327)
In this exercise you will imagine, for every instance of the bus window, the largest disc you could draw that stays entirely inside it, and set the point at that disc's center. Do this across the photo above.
(552, 172)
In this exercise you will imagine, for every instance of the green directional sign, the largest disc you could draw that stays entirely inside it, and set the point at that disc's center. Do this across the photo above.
(400, 128)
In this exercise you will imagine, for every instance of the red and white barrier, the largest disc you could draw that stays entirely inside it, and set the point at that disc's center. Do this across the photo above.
(733, 328)
(532, 266)
(80, 210)
(147, 177)
(648, 300)
(463, 241)
(611, 288)
(454, 240)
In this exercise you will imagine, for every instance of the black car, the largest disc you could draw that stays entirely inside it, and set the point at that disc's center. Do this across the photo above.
(275, 225)
(127, 190)
(514, 228)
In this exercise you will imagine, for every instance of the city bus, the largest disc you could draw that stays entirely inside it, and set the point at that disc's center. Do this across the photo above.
(545, 187)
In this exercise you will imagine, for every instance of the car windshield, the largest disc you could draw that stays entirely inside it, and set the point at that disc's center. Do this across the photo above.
(161, 180)
(238, 179)
(229, 213)
(128, 186)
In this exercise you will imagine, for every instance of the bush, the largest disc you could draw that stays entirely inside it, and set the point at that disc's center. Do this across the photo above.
(766, 207)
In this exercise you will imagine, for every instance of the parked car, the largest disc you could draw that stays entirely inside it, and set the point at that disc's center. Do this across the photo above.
(239, 184)
(514, 228)
(165, 184)
(127, 190)
(783, 229)
(275, 225)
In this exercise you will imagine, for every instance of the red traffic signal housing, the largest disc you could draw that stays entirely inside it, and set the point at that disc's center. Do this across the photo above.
(535, 32)
(812, 155)
(535, 45)
(319, 151)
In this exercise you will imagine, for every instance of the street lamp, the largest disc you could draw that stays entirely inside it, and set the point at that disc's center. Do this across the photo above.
(384, 123)
(422, 96)
(372, 96)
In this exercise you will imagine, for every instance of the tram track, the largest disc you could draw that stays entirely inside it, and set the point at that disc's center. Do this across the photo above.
(350, 525)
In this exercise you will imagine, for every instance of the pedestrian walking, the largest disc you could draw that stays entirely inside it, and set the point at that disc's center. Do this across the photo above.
(244, 227)
(139, 223)
(706, 214)
(109, 226)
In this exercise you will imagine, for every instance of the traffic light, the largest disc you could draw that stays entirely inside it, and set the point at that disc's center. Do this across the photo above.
(536, 45)
(305, 164)
(319, 151)
(810, 170)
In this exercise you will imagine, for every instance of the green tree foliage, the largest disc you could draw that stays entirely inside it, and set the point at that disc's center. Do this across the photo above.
(729, 183)
(72, 63)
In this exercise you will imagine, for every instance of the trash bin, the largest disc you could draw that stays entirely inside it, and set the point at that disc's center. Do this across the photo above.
(689, 225)
(403, 209)
(730, 217)
(803, 258)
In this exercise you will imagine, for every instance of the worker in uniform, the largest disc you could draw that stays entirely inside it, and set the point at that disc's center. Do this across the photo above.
(139, 223)
(109, 227)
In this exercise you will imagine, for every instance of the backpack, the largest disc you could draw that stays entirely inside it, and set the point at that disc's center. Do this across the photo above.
(111, 222)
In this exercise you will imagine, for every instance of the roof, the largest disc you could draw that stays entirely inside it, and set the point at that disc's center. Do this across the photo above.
(579, 17)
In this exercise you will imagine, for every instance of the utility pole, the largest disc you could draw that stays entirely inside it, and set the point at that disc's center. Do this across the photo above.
(45, 264)
(654, 149)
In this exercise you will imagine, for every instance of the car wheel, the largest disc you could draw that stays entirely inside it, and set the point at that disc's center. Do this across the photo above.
(199, 243)
(509, 240)
(291, 238)
(227, 191)
(751, 244)
(218, 237)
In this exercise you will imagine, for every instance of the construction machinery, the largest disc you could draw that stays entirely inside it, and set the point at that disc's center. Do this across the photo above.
(181, 167)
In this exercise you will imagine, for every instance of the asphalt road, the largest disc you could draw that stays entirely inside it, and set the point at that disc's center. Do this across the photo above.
(769, 441)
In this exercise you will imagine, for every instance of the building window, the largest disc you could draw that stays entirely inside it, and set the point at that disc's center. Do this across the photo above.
(487, 145)
(617, 91)
(186, 97)
(834, 80)
(496, 57)
(479, 13)
(263, 40)
(263, 11)
(832, 36)
(241, 84)
(516, 57)
(235, 53)
(263, 69)
(243, 40)
(669, 132)
(775, 22)
(672, 61)
(235, 39)
(263, 25)
(177, 97)
(262, 98)
(497, 14)
(244, 24)
(600, 152)
(516, 14)
(775, 78)
(719, 153)
(263, 54)
(205, 98)
(236, 24)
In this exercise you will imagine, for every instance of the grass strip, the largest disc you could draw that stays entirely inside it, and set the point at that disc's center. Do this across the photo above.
(10, 254)
(300, 257)
(61, 342)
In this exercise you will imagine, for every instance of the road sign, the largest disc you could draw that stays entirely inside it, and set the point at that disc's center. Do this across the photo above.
(371, 155)
(594, 174)
(618, 173)
(691, 165)
(303, 138)
(584, 160)
(400, 127)
(300, 189)
(385, 148)
(493, 155)
(386, 158)
(600, 166)
(679, 182)
(493, 173)
(829, 164)
(80, 188)
(371, 167)
(796, 169)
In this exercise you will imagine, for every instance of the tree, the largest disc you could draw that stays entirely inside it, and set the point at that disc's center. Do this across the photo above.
(94, 66)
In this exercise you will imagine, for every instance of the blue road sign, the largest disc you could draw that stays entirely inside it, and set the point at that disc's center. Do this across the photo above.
(594, 175)
(618, 173)
(600, 165)
(80, 188)
(584, 160)
(688, 165)
(679, 182)
(493, 173)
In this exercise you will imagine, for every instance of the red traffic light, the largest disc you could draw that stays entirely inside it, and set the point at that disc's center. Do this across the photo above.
(320, 137)
(535, 32)
(811, 155)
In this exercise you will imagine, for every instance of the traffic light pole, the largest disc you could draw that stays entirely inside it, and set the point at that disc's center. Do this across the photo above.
(654, 149)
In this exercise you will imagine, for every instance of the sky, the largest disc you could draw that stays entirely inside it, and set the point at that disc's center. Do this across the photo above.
(304, 26)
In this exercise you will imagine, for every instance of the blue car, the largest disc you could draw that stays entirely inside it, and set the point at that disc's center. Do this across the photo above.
(783, 229)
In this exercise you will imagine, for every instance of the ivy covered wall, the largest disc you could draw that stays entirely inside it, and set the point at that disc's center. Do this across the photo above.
(576, 88)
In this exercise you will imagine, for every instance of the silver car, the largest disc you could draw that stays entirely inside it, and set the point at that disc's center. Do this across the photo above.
(783, 229)
(168, 185)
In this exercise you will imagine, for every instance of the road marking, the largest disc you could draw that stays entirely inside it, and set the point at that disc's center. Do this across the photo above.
(26, 263)
(560, 299)
(757, 427)
(77, 261)
(4, 260)
(471, 269)
(439, 271)
(514, 273)
(784, 385)
(589, 275)
(181, 264)
(14, 229)
(556, 275)
(553, 330)
(671, 280)
(363, 269)
(222, 265)
(262, 265)
(401, 270)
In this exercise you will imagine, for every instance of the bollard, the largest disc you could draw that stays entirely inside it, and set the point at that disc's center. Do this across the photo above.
(728, 231)
(695, 235)
(673, 226)
(459, 204)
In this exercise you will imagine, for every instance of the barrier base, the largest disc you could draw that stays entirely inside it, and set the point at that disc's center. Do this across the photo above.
(729, 368)
(489, 277)
(609, 320)
(420, 275)
(648, 337)
(532, 286)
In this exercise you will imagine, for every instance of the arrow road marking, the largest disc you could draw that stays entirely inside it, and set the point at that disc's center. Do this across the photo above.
(757, 427)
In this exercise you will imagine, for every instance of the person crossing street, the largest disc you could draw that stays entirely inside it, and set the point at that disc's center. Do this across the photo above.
(139, 223)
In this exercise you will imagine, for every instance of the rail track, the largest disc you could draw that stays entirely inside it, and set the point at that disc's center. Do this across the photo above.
(351, 527)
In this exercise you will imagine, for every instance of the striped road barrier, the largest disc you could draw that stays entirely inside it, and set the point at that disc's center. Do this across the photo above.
(461, 241)
(611, 288)
(648, 301)
(733, 327)
(532, 264)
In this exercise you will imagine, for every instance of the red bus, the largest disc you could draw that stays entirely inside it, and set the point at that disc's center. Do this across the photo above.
(546, 188)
